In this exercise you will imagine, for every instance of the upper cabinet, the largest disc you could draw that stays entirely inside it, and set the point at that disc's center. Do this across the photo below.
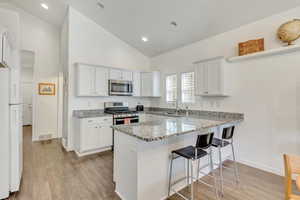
(210, 77)
(92, 80)
(150, 84)
(116, 74)
(136, 84)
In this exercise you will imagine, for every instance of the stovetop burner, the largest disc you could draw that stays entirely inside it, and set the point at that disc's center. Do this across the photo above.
(120, 111)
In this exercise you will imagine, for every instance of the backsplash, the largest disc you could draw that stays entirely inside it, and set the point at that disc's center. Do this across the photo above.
(91, 103)
(207, 103)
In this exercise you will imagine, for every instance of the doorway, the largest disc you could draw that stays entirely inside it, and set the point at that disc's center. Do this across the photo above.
(27, 81)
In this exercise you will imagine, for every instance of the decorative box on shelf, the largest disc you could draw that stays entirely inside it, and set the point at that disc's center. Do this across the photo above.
(251, 46)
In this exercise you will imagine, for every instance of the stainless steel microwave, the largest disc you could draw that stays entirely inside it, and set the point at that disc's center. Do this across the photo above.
(120, 88)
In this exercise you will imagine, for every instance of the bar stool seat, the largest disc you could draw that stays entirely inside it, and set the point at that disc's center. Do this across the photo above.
(219, 143)
(189, 152)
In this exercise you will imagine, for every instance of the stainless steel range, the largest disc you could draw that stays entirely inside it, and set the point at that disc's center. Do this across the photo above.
(121, 113)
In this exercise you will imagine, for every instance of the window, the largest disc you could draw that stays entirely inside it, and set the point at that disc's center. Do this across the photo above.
(171, 88)
(188, 87)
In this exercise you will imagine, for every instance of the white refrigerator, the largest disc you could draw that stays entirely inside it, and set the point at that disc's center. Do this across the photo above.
(11, 143)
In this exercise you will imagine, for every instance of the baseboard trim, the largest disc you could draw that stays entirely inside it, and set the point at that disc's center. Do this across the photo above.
(120, 196)
(261, 167)
(80, 154)
(64, 144)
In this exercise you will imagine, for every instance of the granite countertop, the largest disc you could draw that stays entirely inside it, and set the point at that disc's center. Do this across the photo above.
(162, 126)
(89, 113)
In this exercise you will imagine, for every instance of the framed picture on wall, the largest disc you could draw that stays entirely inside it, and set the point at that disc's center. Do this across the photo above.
(47, 89)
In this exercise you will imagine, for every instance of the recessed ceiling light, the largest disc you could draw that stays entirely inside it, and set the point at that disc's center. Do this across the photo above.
(145, 39)
(101, 5)
(45, 6)
(173, 23)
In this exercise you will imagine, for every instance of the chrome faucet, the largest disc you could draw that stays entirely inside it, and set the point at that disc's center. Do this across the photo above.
(176, 106)
(186, 111)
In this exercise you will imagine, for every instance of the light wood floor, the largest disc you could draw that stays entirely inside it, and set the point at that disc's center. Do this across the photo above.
(50, 173)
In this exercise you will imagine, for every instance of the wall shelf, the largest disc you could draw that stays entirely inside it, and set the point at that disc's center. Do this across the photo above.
(278, 51)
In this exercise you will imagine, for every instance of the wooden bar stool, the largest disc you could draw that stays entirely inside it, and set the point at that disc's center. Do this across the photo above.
(226, 139)
(191, 154)
(292, 166)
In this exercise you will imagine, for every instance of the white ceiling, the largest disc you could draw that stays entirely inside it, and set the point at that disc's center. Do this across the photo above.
(131, 19)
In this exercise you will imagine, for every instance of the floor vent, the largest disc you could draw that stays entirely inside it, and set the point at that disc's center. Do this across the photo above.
(45, 137)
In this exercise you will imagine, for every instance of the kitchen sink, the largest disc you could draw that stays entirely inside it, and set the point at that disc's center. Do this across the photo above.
(172, 114)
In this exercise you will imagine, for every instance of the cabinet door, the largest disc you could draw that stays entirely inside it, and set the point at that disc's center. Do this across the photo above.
(136, 84)
(90, 136)
(101, 81)
(106, 136)
(214, 84)
(146, 84)
(115, 74)
(127, 75)
(201, 79)
(86, 80)
(156, 84)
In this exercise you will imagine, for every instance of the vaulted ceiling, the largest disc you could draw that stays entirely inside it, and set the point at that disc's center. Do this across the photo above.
(131, 19)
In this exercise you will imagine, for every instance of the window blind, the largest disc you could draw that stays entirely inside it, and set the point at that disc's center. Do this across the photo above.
(171, 88)
(188, 87)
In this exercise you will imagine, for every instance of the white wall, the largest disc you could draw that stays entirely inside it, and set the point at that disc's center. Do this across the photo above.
(90, 43)
(266, 90)
(26, 75)
(43, 39)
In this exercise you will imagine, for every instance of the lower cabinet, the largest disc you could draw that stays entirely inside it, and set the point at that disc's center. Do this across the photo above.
(93, 135)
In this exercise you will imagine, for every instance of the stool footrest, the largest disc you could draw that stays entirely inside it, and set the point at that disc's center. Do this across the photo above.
(209, 185)
(181, 195)
(217, 164)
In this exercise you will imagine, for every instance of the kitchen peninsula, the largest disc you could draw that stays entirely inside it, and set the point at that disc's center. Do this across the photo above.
(142, 151)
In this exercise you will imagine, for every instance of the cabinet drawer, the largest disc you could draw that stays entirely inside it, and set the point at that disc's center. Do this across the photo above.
(99, 120)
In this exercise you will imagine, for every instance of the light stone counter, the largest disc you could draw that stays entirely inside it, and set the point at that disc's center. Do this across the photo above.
(162, 126)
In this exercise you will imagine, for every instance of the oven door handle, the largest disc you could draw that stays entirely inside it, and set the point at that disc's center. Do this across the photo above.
(134, 118)
(119, 120)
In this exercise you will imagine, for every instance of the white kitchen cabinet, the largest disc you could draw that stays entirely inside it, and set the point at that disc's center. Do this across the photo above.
(93, 135)
(210, 77)
(106, 135)
(127, 75)
(150, 84)
(136, 84)
(116, 74)
(92, 80)
(101, 82)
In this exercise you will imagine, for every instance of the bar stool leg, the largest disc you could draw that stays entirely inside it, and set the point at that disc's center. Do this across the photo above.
(170, 175)
(235, 165)
(192, 183)
(188, 173)
(221, 170)
(198, 169)
(213, 173)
